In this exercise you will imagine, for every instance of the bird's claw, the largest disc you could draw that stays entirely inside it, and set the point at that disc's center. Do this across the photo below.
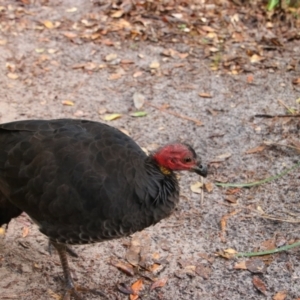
(73, 292)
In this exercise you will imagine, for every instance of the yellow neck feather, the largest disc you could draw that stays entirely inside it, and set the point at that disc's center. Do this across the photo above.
(165, 170)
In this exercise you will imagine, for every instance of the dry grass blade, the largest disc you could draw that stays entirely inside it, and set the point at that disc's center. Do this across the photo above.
(241, 185)
(267, 252)
(266, 216)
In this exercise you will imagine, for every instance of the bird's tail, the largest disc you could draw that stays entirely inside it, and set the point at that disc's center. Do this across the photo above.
(7, 211)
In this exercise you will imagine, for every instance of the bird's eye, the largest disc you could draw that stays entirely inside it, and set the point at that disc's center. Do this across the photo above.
(187, 160)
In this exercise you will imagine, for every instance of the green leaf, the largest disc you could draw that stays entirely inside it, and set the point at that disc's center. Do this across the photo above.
(139, 114)
(272, 4)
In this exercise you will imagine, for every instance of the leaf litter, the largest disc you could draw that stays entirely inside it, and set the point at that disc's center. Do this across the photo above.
(179, 23)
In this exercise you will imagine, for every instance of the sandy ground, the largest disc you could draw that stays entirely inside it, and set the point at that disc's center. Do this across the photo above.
(44, 61)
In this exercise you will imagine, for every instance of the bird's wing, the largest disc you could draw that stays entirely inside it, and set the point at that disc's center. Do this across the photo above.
(69, 170)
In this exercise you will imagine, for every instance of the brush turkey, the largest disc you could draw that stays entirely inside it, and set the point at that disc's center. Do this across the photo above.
(85, 182)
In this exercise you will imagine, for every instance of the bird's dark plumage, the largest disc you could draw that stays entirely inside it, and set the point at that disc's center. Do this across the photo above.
(82, 181)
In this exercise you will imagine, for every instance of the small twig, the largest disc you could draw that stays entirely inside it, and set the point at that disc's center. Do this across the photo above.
(292, 214)
(223, 223)
(276, 116)
(284, 105)
(260, 181)
(261, 253)
(281, 145)
(174, 113)
(263, 215)
(279, 219)
(202, 192)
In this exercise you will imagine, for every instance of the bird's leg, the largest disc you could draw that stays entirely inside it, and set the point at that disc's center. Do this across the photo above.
(70, 287)
(68, 249)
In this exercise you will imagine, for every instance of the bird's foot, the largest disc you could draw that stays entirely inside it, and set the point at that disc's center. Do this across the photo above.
(74, 293)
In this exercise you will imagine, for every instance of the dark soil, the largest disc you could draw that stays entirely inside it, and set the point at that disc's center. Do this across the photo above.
(46, 64)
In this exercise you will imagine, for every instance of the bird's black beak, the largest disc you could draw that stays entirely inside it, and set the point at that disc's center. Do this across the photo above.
(200, 169)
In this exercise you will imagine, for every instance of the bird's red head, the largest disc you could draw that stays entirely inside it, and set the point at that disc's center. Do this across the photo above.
(179, 157)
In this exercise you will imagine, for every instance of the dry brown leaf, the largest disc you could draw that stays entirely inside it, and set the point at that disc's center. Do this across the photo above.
(295, 143)
(233, 191)
(78, 66)
(296, 80)
(211, 35)
(227, 253)
(224, 220)
(120, 24)
(111, 56)
(48, 24)
(25, 231)
(214, 49)
(117, 14)
(255, 58)
(196, 187)
(124, 288)
(250, 78)
(154, 268)
(259, 284)
(72, 9)
(256, 149)
(126, 268)
(137, 74)
(206, 257)
(67, 103)
(191, 269)
(205, 95)
(54, 295)
(224, 156)
(223, 223)
(12, 75)
(280, 295)
(154, 65)
(182, 55)
(240, 265)
(70, 35)
(90, 66)
(133, 253)
(260, 210)
(102, 110)
(256, 265)
(230, 198)
(115, 76)
(78, 113)
(207, 28)
(203, 271)
(39, 50)
(126, 62)
(169, 52)
(208, 186)
(138, 100)
(155, 255)
(159, 283)
(137, 286)
(268, 245)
